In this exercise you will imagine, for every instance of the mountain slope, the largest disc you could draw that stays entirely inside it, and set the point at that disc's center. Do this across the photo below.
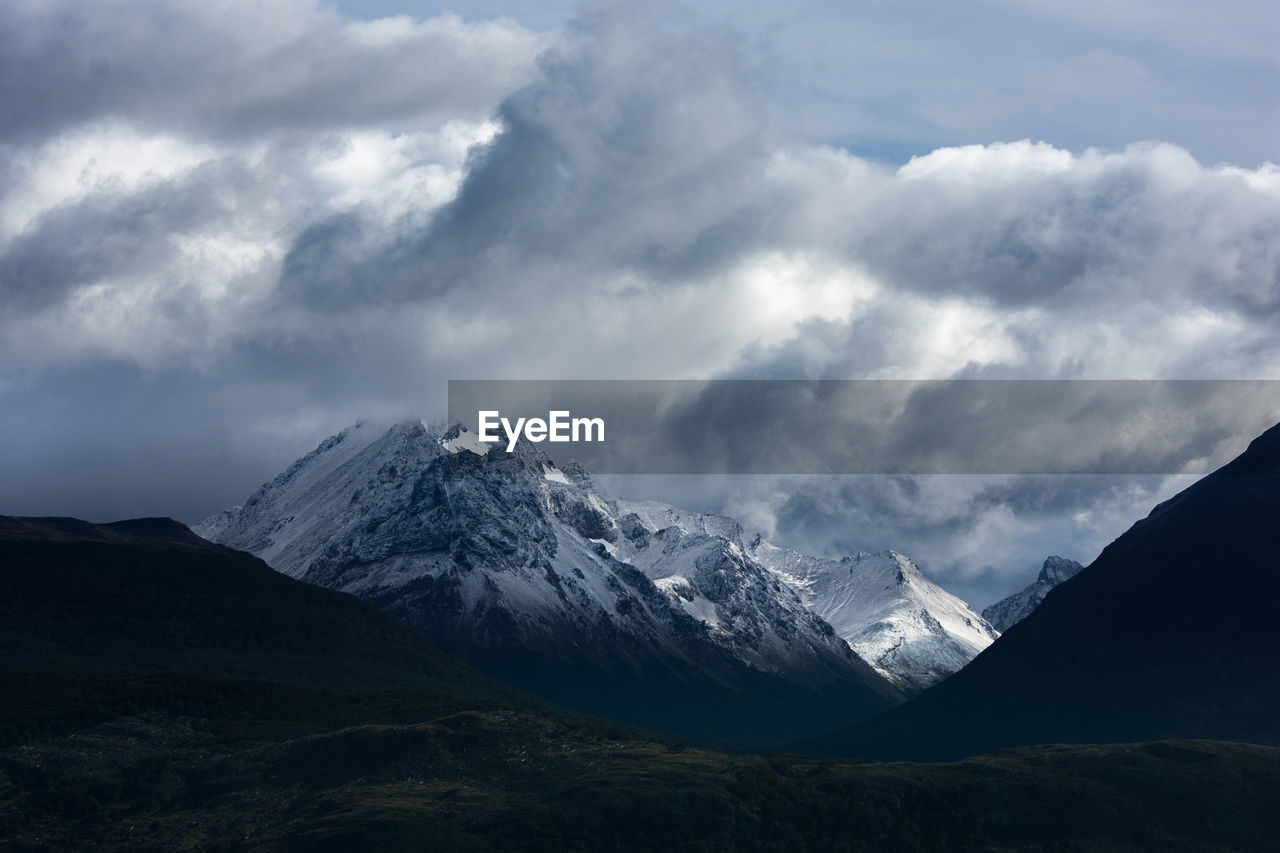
(911, 630)
(1006, 612)
(530, 573)
(1169, 633)
(148, 595)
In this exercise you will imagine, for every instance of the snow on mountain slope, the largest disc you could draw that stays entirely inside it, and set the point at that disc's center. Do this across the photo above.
(911, 630)
(290, 521)
(658, 515)
(689, 553)
(213, 526)
(499, 554)
(714, 580)
(1007, 612)
(527, 570)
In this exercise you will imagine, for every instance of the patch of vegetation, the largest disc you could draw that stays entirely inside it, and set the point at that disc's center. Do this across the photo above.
(184, 763)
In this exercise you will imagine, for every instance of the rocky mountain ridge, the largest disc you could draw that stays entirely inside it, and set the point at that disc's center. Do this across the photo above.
(530, 572)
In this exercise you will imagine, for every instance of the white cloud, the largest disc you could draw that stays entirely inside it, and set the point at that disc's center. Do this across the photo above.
(636, 183)
(104, 158)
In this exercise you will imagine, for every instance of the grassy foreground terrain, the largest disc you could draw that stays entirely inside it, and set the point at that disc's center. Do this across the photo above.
(168, 762)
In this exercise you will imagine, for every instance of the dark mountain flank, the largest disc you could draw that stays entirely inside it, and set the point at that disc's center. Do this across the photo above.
(1170, 633)
(148, 595)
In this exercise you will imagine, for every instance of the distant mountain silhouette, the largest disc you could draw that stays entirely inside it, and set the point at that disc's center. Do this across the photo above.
(1170, 633)
(148, 595)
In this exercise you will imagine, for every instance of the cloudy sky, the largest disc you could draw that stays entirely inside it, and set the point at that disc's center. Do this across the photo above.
(227, 229)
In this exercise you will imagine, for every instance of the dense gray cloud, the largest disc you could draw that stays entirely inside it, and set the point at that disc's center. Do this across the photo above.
(109, 236)
(242, 67)
(627, 154)
(1029, 225)
(223, 236)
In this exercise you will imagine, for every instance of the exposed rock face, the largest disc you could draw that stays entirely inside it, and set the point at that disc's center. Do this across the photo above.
(529, 572)
(1004, 614)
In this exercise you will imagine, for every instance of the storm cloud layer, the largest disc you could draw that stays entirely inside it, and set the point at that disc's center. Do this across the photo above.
(226, 232)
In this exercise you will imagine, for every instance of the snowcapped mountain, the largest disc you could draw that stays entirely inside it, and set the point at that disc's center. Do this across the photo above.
(910, 629)
(529, 572)
(1004, 614)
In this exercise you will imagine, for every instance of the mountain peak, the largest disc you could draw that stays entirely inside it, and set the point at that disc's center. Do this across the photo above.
(1057, 569)
(458, 439)
(526, 570)
(1007, 612)
(911, 630)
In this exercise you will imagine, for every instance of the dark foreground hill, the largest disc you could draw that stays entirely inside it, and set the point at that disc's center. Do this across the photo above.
(148, 595)
(234, 773)
(98, 751)
(1170, 633)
